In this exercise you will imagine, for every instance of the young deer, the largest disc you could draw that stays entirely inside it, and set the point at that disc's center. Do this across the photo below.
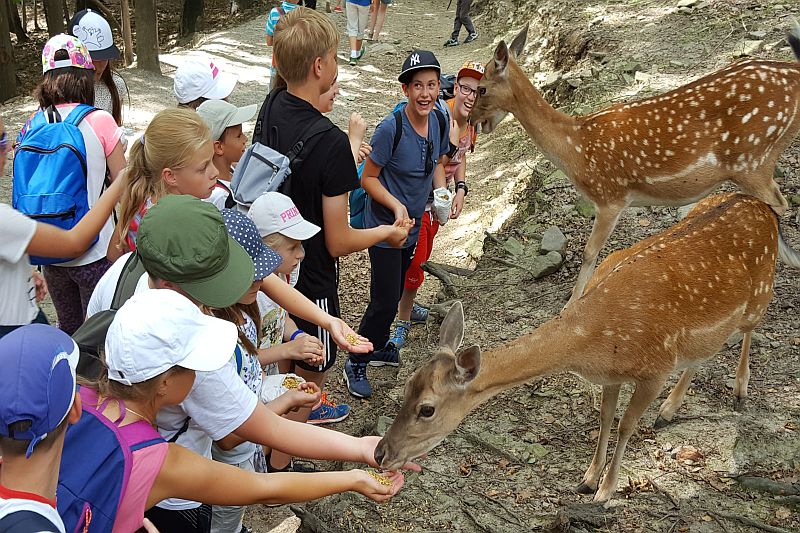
(671, 149)
(667, 303)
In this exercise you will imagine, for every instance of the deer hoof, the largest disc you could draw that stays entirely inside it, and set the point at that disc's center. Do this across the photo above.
(740, 405)
(661, 422)
(583, 488)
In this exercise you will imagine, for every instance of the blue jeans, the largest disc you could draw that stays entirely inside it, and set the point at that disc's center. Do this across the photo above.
(40, 319)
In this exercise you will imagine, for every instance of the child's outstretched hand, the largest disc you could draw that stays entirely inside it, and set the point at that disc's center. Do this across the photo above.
(363, 152)
(357, 128)
(373, 489)
(295, 399)
(347, 339)
(305, 348)
(400, 233)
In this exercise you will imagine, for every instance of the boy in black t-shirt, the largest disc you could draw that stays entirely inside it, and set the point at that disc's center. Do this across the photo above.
(304, 45)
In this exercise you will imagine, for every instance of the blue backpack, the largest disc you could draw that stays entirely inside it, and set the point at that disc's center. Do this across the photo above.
(96, 465)
(358, 198)
(50, 171)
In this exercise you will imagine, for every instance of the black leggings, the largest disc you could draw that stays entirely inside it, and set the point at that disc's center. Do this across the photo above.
(197, 520)
(387, 277)
(462, 18)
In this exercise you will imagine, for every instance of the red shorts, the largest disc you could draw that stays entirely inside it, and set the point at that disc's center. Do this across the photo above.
(427, 232)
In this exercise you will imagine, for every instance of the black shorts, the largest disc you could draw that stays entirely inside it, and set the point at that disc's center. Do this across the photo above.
(331, 306)
(197, 520)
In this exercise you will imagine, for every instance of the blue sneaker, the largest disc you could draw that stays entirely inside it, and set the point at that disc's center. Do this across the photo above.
(355, 375)
(419, 314)
(400, 333)
(328, 412)
(389, 355)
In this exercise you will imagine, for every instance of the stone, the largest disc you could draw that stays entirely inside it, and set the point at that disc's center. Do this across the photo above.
(643, 77)
(544, 265)
(687, 3)
(631, 66)
(553, 240)
(585, 208)
(685, 10)
(747, 48)
(383, 424)
(794, 199)
(513, 246)
(557, 176)
(757, 35)
(684, 210)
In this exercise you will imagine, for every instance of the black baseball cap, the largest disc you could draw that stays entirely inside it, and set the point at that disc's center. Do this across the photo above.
(418, 60)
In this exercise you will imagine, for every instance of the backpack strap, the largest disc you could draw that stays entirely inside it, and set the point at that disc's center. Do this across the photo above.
(230, 203)
(78, 114)
(321, 125)
(26, 521)
(237, 352)
(181, 431)
(128, 279)
(398, 129)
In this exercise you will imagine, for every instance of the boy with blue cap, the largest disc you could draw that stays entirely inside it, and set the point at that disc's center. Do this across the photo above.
(37, 403)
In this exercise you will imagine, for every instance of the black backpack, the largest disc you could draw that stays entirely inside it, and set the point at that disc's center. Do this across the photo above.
(91, 336)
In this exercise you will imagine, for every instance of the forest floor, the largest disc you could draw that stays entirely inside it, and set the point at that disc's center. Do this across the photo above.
(513, 462)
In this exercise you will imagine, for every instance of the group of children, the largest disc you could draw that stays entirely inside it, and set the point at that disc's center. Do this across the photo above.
(195, 359)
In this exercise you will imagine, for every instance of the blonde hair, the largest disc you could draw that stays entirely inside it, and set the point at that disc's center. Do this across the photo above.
(171, 140)
(277, 240)
(301, 36)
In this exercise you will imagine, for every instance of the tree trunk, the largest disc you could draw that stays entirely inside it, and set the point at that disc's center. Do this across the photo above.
(16, 24)
(147, 35)
(127, 36)
(36, 15)
(192, 10)
(99, 7)
(24, 14)
(8, 74)
(240, 5)
(65, 10)
(54, 15)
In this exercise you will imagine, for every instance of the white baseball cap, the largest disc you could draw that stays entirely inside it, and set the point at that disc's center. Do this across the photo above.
(274, 212)
(202, 79)
(95, 32)
(158, 329)
(219, 115)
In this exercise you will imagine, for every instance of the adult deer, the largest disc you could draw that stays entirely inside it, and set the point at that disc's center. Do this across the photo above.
(672, 149)
(665, 304)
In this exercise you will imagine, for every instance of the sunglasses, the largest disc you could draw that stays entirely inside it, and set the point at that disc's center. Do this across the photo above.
(428, 157)
(467, 91)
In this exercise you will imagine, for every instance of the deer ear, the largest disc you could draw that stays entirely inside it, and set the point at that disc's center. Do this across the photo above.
(518, 44)
(501, 57)
(468, 364)
(452, 331)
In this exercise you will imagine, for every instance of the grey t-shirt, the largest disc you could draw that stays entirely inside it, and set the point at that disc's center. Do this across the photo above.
(403, 172)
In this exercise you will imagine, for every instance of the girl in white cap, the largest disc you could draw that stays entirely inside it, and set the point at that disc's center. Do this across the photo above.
(109, 87)
(156, 343)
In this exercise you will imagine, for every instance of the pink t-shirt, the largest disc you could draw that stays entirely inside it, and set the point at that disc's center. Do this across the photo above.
(147, 463)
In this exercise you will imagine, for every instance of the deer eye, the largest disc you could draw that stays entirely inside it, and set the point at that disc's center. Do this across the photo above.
(426, 411)
(481, 91)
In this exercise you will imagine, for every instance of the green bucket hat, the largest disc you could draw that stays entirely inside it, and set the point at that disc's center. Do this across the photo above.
(183, 240)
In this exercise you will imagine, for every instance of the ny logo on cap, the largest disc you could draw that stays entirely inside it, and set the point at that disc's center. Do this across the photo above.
(414, 59)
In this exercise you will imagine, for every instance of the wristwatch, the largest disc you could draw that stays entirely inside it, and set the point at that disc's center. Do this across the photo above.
(452, 152)
(462, 185)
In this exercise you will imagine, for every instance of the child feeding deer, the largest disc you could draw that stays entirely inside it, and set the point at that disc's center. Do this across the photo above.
(667, 303)
(671, 149)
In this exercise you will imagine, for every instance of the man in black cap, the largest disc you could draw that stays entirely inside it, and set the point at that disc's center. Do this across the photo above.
(406, 160)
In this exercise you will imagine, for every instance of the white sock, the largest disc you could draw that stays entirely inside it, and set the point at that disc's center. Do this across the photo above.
(353, 53)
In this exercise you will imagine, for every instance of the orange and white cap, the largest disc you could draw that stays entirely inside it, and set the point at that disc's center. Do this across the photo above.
(470, 69)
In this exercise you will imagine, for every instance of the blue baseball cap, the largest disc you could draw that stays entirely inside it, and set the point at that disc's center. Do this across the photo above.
(37, 381)
(244, 231)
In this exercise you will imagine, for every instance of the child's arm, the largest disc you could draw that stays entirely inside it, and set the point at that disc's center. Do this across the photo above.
(355, 133)
(378, 193)
(461, 176)
(294, 302)
(341, 239)
(306, 440)
(187, 475)
(50, 241)
(303, 348)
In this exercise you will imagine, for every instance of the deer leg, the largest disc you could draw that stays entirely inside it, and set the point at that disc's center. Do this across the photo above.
(607, 409)
(604, 223)
(742, 375)
(642, 397)
(675, 399)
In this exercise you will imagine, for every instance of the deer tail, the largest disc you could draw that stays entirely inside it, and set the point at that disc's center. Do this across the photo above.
(794, 38)
(787, 254)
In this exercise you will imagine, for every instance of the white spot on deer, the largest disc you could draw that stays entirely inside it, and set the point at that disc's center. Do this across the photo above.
(746, 118)
(569, 139)
(761, 89)
(578, 149)
(725, 135)
(771, 104)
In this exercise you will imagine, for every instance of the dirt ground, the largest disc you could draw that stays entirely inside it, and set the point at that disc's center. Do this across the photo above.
(512, 464)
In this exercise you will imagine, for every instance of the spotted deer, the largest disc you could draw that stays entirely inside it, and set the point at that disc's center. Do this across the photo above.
(667, 303)
(671, 149)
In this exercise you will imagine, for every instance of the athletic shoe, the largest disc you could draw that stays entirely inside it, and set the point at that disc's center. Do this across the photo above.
(471, 37)
(400, 333)
(327, 412)
(419, 314)
(338, 9)
(362, 51)
(327, 7)
(353, 61)
(355, 375)
(389, 355)
(451, 42)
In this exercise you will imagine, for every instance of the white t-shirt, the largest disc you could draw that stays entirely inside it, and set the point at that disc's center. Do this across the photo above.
(17, 293)
(14, 505)
(218, 403)
(219, 195)
(273, 320)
